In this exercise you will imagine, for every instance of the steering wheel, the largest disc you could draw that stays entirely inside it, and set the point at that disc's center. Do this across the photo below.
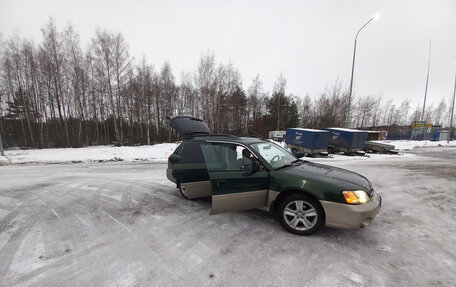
(274, 159)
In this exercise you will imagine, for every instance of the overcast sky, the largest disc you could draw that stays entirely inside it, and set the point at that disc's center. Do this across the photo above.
(310, 42)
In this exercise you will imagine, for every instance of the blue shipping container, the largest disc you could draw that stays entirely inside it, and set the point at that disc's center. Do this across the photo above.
(442, 135)
(308, 139)
(347, 140)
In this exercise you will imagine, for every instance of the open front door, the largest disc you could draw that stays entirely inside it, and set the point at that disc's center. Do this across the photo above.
(237, 182)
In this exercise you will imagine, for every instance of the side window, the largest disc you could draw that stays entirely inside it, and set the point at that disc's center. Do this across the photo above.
(212, 156)
(226, 157)
(191, 153)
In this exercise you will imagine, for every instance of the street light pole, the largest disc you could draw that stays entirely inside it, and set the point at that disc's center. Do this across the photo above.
(375, 17)
(427, 82)
(425, 95)
(452, 111)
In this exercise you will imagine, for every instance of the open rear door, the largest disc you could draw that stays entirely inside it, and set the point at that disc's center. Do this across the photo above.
(235, 184)
(188, 126)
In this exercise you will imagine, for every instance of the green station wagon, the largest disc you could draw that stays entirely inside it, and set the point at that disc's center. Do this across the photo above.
(241, 173)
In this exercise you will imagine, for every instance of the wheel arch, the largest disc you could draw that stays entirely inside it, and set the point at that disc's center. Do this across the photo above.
(287, 192)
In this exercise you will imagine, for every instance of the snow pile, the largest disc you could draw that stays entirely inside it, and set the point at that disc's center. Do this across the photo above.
(409, 145)
(333, 158)
(159, 152)
(346, 130)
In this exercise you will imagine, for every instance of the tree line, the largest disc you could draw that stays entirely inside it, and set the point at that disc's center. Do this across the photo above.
(55, 94)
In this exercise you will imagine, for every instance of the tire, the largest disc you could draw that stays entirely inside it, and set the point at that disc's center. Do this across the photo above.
(182, 191)
(304, 220)
(294, 151)
(330, 150)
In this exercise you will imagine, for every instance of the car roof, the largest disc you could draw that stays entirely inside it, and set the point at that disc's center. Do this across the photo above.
(226, 138)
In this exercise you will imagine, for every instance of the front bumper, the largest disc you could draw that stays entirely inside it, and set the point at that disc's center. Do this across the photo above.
(347, 216)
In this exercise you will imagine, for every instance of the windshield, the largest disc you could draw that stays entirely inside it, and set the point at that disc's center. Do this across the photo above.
(276, 156)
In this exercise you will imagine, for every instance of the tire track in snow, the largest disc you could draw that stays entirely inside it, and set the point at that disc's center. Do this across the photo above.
(61, 263)
(9, 250)
(113, 218)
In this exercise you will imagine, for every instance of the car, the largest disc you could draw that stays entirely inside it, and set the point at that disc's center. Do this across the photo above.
(241, 173)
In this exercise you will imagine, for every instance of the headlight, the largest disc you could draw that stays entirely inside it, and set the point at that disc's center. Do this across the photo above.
(356, 196)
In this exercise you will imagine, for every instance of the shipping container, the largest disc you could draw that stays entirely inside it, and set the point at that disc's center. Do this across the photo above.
(309, 141)
(442, 135)
(376, 135)
(373, 135)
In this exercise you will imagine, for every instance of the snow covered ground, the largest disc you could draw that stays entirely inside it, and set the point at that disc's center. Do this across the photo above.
(125, 224)
(404, 145)
(157, 153)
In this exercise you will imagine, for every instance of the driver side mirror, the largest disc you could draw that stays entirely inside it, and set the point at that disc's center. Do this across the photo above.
(299, 154)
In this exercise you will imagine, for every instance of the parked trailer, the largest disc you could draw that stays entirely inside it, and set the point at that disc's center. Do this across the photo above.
(309, 141)
(348, 141)
(380, 147)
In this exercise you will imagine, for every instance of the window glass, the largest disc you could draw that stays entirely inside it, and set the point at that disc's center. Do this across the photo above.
(226, 157)
(191, 153)
(273, 154)
(179, 149)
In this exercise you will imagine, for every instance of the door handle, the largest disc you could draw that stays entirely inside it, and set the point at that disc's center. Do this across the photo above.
(220, 182)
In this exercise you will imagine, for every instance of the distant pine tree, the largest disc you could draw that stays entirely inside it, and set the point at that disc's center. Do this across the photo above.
(293, 115)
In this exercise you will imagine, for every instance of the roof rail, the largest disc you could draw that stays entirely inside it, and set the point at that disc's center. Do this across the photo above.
(210, 135)
(249, 136)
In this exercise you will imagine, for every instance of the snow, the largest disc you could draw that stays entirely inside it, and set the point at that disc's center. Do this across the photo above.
(345, 130)
(409, 145)
(158, 152)
(367, 157)
(310, 130)
(161, 152)
(125, 224)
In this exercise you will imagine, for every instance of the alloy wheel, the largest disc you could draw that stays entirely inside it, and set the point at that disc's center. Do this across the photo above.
(300, 215)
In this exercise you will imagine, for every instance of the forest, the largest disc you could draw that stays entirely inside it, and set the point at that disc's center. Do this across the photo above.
(57, 94)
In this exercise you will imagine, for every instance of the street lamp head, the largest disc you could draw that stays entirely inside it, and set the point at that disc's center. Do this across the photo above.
(376, 16)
